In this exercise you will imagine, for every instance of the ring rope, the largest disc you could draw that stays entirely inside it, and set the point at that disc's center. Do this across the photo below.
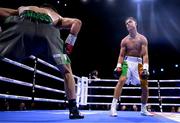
(112, 80)
(30, 68)
(155, 104)
(99, 103)
(9, 80)
(155, 97)
(48, 64)
(121, 96)
(105, 87)
(115, 80)
(169, 80)
(30, 98)
(90, 80)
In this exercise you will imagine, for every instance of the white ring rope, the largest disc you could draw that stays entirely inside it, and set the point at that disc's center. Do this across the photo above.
(112, 80)
(59, 91)
(5, 79)
(31, 69)
(170, 97)
(121, 96)
(43, 62)
(29, 98)
(99, 103)
(154, 97)
(169, 80)
(48, 64)
(169, 88)
(159, 97)
(155, 104)
(9, 80)
(105, 87)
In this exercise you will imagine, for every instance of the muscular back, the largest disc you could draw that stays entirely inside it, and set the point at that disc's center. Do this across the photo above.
(54, 16)
(134, 46)
(64, 22)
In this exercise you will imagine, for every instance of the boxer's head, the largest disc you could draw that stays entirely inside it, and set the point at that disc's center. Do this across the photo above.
(131, 23)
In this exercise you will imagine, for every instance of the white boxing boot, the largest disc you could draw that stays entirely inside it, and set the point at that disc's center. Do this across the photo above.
(113, 111)
(144, 111)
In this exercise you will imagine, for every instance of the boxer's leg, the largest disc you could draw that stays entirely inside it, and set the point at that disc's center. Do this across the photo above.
(144, 93)
(118, 89)
(69, 84)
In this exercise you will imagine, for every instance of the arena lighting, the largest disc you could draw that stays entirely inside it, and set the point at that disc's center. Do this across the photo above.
(84, 1)
(58, 2)
(162, 69)
(138, 1)
(176, 65)
(110, 0)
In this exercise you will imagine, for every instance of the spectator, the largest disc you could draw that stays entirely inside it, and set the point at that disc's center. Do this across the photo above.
(135, 108)
(22, 106)
(123, 108)
(173, 109)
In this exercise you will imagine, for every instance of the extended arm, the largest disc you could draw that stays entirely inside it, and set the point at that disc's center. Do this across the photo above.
(5, 12)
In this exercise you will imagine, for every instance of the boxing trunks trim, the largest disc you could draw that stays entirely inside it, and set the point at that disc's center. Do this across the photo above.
(133, 59)
(36, 17)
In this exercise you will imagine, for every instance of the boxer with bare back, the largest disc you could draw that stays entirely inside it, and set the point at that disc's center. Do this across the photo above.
(132, 66)
(33, 30)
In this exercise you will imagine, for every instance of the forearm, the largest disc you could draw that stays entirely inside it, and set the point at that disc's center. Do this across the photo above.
(121, 55)
(121, 59)
(146, 62)
(145, 59)
(76, 26)
(5, 12)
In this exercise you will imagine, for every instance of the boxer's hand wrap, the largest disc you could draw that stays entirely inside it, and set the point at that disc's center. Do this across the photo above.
(145, 73)
(69, 43)
(117, 71)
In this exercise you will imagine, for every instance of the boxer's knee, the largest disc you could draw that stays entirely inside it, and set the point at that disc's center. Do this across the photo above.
(144, 84)
(65, 69)
(122, 81)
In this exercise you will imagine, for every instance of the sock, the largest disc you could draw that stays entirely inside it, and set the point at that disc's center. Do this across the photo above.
(72, 104)
(114, 103)
(114, 100)
(143, 105)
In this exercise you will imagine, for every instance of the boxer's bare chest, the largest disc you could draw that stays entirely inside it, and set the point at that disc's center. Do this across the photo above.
(133, 46)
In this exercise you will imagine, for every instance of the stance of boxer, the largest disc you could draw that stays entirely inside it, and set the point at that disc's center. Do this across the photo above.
(33, 30)
(132, 66)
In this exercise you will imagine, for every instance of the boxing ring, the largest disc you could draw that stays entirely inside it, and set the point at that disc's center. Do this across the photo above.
(94, 96)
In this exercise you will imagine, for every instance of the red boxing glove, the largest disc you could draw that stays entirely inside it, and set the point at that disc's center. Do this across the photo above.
(68, 48)
(69, 43)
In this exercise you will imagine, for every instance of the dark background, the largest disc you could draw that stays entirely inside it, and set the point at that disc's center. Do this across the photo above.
(103, 28)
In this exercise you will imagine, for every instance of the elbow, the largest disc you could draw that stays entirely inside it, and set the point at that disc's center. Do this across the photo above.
(75, 28)
(78, 22)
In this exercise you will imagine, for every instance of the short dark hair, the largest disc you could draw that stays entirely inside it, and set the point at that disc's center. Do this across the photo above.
(132, 18)
(94, 73)
(47, 5)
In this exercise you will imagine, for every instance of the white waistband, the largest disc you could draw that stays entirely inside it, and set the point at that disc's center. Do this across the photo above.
(133, 59)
